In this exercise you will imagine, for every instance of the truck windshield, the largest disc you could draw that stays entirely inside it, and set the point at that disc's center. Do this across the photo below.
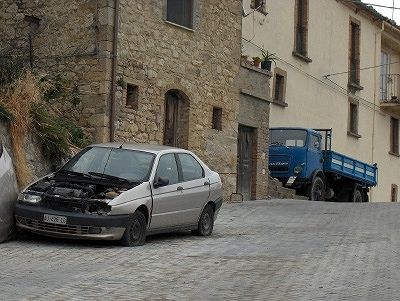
(288, 138)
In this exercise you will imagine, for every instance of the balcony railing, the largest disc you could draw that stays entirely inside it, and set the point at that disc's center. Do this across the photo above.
(390, 88)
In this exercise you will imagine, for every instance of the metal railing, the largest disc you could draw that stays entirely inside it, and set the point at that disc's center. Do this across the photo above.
(390, 87)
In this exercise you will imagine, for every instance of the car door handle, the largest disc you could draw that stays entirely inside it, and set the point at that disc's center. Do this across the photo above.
(206, 183)
(180, 188)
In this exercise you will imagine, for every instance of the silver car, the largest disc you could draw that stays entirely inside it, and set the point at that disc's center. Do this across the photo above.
(123, 192)
(8, 193)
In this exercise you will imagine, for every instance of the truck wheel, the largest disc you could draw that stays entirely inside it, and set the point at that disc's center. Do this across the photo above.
(135, 232)
(357, 197)
(316, 190)
(206, 222)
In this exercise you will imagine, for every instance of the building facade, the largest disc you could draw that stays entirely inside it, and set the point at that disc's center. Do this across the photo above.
(328, 74)
(163, 72)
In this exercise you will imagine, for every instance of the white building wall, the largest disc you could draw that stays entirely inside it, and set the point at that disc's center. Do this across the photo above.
(316, 102)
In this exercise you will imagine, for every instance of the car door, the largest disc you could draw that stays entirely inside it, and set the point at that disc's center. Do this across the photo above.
(196, 188)
(167, 199)
(314, 154)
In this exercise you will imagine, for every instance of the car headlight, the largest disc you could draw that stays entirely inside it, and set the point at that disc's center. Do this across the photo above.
(298, 169)
(26, 197)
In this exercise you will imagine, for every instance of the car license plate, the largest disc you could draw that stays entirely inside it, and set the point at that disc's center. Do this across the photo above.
(55, 219)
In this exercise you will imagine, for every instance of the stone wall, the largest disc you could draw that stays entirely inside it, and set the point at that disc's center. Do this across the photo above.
(71, 38)
(202, 64)
(37, 164)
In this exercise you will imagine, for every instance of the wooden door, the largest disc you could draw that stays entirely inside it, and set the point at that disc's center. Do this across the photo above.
(171, 119)
(245, 161)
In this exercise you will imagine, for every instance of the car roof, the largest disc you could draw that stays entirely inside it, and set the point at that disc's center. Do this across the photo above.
(151, 148)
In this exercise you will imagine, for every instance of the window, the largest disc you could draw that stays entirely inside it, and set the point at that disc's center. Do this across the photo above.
(353, 117)
(314, 143)
(180, 12)
(279, 87)
(354, 53)
(385, 77)
(301, 27)
(393, 193)
(259, 5)
(167, 168)
(279, 84)
(394, 136)
(217, 118)
(191, 169)
(123, 163)
(132, 96)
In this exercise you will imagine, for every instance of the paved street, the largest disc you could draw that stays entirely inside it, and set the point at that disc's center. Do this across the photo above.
(264, 250)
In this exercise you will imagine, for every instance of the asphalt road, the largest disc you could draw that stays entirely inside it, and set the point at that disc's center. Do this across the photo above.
(262, 250)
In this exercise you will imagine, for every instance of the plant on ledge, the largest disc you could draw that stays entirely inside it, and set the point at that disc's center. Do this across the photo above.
(267, 60)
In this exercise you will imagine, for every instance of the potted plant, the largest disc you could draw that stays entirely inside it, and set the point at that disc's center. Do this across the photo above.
(244, 58)
(256, 61)
(267, 60)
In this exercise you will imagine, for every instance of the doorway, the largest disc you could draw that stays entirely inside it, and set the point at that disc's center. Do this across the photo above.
(176, 126)
(247, 150)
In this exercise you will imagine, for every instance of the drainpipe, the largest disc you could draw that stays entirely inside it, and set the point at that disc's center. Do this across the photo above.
(114, 71)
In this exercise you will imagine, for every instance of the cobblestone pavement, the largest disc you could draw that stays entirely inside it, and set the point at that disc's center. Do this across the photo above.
(263, 250)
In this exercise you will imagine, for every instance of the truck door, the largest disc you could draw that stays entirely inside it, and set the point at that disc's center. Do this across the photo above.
(314, 154)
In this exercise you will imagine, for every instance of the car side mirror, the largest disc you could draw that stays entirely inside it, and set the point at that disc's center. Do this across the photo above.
(160, 181)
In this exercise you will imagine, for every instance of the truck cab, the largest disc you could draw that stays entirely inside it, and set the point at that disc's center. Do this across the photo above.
(295, 155)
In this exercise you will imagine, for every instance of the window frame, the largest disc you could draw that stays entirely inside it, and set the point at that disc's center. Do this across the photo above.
(301, 22)
(133, 104)
(177, 168)
(354, 132)
(203, 174)
(282, 74)
(216, 119)
(191, 24)
(354, 75)
(394, 137)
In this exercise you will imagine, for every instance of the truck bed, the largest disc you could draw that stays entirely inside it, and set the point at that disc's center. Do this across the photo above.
(348, 167)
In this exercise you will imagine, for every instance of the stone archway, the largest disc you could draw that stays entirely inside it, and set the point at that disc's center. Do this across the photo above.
(176, 125)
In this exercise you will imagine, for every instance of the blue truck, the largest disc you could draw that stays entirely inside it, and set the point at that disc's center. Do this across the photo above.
(302, 159)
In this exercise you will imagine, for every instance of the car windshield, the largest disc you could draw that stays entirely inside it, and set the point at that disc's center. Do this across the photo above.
(287, 137)
(134, 166)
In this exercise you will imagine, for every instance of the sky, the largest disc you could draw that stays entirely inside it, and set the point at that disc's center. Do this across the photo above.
(387, 11)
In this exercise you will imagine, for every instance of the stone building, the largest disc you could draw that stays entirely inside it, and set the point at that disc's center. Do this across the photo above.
(167, 74)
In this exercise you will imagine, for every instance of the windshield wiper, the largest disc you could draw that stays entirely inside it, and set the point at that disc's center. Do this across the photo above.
(110, 177)
(74, 173)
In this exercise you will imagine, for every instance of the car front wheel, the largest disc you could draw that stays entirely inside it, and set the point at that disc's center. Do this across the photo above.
(205, 225)
(135, 232)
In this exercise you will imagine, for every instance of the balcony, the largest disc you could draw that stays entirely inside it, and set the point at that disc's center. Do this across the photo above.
(390, 93)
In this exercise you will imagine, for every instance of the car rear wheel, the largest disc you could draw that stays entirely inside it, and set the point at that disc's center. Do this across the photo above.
(135, 232)
(206, 222)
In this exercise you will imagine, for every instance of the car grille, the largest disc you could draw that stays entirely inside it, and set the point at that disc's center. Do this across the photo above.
(40, 225)
(279, 168)
(64, 204)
